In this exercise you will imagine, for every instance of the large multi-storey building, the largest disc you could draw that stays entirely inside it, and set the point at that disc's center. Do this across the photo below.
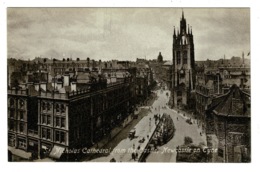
(22, 121)
(183, 65)
(50, 113)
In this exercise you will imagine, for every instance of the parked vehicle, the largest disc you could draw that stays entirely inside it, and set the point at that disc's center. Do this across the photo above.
(131, 134)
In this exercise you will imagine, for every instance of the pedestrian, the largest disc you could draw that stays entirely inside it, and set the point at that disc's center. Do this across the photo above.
(133, 146)
(177, 119)
(133, 156)
(136, 155)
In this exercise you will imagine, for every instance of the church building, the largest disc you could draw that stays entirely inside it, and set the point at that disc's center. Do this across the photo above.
(183, 78)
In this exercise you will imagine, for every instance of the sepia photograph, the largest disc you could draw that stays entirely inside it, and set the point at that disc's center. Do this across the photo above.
(146, 85)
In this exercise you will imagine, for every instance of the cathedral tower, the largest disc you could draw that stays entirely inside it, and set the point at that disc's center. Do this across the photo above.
(183, 64)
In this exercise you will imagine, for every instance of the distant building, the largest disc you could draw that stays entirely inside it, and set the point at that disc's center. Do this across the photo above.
(166, 73)
(214, 78)
(160, 58)
(183, 65)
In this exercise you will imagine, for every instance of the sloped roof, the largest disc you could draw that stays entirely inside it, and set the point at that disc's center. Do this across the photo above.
(235, 103)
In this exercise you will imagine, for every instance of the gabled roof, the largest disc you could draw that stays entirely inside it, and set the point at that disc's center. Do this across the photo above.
(235, 103)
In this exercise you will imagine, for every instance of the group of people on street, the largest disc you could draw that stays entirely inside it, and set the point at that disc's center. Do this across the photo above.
(134, 155)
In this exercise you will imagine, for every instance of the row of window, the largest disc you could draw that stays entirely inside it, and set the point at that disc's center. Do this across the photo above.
(20, 104)
(20, 114)
(21, 126)
(60, 108)
(59, 136)
(59, 121)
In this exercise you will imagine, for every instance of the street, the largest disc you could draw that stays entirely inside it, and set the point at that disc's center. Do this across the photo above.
(166, 153)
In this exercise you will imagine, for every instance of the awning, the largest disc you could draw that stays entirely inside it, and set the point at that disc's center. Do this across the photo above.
(56, 152)
(20, 153)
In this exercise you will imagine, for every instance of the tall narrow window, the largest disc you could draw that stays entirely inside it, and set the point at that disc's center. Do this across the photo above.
(48, 106)
(48, 120)
(11, 113)
(62, 108)
(44, 133)
(21, 128)
(44, 120)
(43, 106)
(21, 104)
(57, 108)
(57, 136)
(21, 115)
(11, 127)
(62, 137)
(48, 134)
(178, 57)
(57, 122)
(185, 57)
(63, 122)
(11, 102)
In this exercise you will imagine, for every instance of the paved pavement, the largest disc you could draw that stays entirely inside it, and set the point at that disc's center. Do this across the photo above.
(167, 152)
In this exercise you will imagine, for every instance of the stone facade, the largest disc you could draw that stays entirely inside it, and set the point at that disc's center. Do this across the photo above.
(183, 65)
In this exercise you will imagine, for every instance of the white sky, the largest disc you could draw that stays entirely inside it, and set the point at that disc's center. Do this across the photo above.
(124, 33)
